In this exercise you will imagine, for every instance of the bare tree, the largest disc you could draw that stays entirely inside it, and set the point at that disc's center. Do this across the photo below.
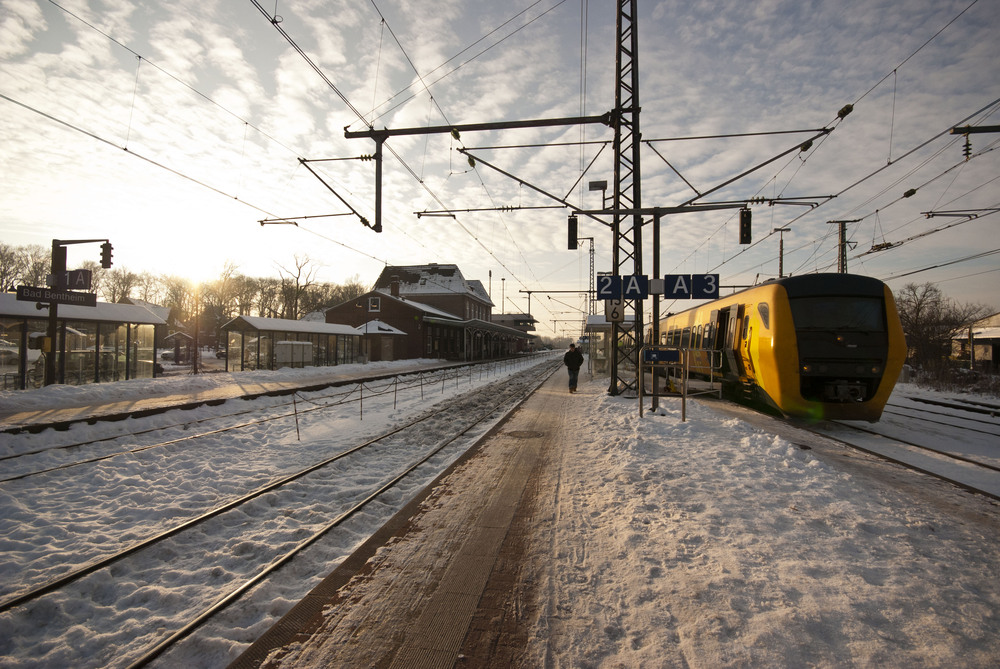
(268, 297)
(294, 284)
(245, 291)
(149, 288)
(118, 284)
(930, 321)
(179, 297)
(12, 264)
(37, 264)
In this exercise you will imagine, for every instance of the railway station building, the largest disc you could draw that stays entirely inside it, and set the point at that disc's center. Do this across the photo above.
(107, 342)
(439, 312)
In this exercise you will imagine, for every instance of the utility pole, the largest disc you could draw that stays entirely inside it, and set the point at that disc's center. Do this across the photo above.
(781, 250)
(842, 244)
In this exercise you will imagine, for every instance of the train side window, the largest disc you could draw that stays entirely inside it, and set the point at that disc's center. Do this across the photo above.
(765, 314)
(701, 335)
(686, 338)
(746, 327)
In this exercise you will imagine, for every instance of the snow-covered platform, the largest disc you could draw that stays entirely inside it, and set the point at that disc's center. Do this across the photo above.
(434, 584)
(580, 534)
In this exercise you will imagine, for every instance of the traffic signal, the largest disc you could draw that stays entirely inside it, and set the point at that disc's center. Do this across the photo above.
(106, 255)
(745, 233)
(573, 223)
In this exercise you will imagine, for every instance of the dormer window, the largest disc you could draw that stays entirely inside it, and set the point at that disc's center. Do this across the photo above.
(374, 304)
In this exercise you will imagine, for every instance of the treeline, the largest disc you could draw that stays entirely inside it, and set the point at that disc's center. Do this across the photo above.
(294, 293)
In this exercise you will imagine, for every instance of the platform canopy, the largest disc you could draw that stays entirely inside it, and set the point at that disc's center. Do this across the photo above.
(261, 324)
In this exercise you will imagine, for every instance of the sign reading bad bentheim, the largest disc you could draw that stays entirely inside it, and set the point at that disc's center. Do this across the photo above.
(37, 294)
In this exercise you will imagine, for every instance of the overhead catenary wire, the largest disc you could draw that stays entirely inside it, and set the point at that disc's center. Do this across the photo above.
(891, 72)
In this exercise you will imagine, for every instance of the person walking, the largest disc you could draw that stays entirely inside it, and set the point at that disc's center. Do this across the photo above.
(573, 361)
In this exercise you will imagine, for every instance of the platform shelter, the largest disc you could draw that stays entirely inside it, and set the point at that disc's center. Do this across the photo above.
(255, 342)
(107, 342)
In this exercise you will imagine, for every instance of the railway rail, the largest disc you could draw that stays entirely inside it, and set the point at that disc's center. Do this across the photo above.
(309, 509)
(956, 441)
(53, 457)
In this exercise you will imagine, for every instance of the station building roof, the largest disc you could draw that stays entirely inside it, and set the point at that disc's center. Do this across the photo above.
(105, 312)
(261, 324)
(378, 327)
(431, 279)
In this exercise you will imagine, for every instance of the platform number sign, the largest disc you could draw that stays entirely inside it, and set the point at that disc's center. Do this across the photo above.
(691, 286)
(609, 287)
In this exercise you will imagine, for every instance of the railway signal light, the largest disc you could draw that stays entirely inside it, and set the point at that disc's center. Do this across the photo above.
(572, 227)
(106, 255)
(745, 225)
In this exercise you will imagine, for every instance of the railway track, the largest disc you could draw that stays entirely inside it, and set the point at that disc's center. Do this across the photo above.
(950, 440)
(236, 546)
(115, 440)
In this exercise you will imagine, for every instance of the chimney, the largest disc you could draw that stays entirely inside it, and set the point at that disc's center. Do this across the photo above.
(394, 286)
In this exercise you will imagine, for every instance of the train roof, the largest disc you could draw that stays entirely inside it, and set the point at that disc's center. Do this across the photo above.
(829, 284)
(806, 285)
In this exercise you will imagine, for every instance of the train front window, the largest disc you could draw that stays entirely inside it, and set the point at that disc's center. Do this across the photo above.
(862, 314)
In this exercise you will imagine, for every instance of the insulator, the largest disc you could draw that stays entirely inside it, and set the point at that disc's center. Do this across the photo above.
(910, 193)
(844, 111)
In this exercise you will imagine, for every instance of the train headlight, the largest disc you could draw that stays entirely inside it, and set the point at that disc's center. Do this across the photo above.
(876, 369)
(806, 369)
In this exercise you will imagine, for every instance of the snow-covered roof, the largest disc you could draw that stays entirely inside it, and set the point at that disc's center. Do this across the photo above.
(420, 306)
(432, 279)
(108, 312)
(378, 327)
(287, 325)
(980, 333)
(600, 322)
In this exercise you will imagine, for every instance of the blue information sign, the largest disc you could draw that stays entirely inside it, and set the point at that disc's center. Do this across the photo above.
(677, 286)
(609, 287)
(654, 355)
(705, 286)
(635, 287)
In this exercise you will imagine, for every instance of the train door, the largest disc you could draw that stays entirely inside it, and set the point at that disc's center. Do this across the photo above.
(730, 324)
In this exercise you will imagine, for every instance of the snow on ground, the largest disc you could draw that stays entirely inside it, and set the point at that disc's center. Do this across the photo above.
(59, 395)
(708, 543)
(715, 543)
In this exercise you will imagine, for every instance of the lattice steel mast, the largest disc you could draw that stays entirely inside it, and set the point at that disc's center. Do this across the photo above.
(627, 227)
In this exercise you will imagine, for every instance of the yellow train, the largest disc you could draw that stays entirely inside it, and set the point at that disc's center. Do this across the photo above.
(819, 346)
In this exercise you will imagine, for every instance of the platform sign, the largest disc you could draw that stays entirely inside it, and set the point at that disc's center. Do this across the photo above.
(691, 286)
(50, 296)
(609, 287)
(635, 287)
(76, 279)
(614, 311)
(677, 286)
(660, 355)
(705, 286)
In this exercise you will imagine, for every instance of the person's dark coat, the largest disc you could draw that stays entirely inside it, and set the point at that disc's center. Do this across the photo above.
(573, 359)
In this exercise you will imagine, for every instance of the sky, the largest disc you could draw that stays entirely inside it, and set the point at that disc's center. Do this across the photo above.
(173, 129)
